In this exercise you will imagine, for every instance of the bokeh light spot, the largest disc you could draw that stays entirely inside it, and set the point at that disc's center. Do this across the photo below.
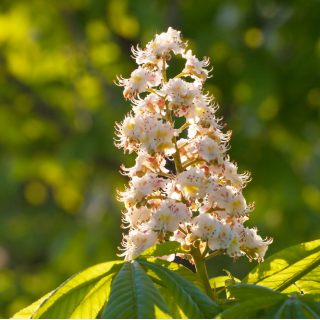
(311, 196)
(242, 92)
(68, 198)
(253, 37)
(32, 129)
(318, 48)
(35, 193)
(219, 52)
(216, 91)
(105, 53)
(268, 108)
(125, 25)
(273, 217)
(235, 65)
(313, 97)
(4, 258)
(51, 172)
(97, 30)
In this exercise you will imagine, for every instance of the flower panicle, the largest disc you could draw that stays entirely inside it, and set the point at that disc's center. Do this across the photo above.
(180, 189)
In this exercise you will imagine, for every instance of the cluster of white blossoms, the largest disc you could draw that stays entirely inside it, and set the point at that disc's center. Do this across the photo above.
(200, 202)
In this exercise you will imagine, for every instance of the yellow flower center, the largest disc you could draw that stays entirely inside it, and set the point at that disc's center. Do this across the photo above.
(163, 217)
(236, 203)
(191, 189)
(130, 126)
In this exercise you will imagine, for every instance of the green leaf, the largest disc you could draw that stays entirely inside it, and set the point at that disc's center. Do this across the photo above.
(298, 264)
(133, 295)
(219, 282)
(315, 297)
(293, 308)
(91, 305)
(313, 305)
(163, 249)
(248, 309)
(310, 283)
(301, 311)
(78, 292)
(256, 301)
(193, 302)
(178, 269)
(252, 299)
(244, 292)
(28, 311)
(175, 311)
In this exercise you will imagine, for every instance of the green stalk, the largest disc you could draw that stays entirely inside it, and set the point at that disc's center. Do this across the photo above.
(164, 75)
(202, 270)
(216, 253)
(299, 275)
(176, 155)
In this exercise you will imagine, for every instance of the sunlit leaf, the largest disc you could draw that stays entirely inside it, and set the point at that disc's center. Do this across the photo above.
(175, 311)
(78, 292)
(163, 249)
(260, 302)
(178, 269)
(298, 264)
(294, 308)
(219, 282)
(93, 302)
(133, 295)
(27, 312)
(193, 302)
(251, 299)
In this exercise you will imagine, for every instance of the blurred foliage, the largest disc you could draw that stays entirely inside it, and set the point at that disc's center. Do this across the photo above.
(58, 105)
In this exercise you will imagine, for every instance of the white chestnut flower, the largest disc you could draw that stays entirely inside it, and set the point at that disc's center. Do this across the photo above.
(169, 215)
(140, 188)
(209, 149)
(180, 237)
(180, 95)
(129, 132)
(152, 104)
(173, 38)
(137, 241)
(156, 49)
(135, 216)
(145, 163)
(139, 81)
(224, 238)
(253, 241)
(156, 136)
(231, 200)
(192, 183)
(195, 67)
(146, 132)
(229, 170)
(206, 226)
(184, 190)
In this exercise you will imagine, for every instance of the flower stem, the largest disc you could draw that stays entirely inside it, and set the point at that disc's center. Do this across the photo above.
(216, 253)
(187, 164)
(152, 91)
(164, 75)
(206, 250)
(186, 125)
(215, 209)
(181, 75)
(202, 270)
(176, 155)
(160, 173)
(181, 230)
(156, 197)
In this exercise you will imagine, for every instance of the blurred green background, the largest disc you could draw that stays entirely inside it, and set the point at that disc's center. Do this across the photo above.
(58, 105)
